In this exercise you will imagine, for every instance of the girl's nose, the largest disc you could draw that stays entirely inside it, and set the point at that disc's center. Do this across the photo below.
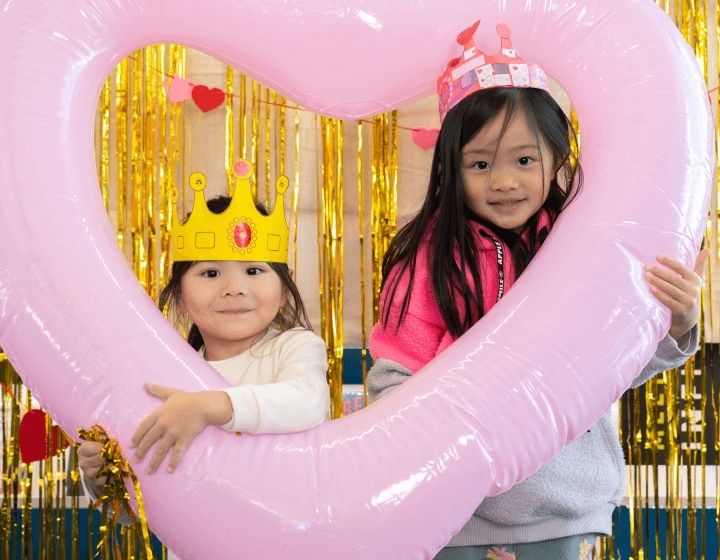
(504, 181)
(235, 285)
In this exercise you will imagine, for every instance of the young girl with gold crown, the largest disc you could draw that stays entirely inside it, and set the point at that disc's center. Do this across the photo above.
(502, 172)
(231, 280)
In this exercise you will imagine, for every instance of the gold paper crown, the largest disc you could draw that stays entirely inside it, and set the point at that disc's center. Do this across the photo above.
(240, 233)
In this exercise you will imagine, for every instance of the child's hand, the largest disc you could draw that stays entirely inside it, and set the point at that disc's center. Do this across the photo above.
(679, 288)
(90, 460)
(177, 422)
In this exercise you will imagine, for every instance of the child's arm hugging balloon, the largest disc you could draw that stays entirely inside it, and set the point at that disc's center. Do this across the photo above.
(678, 287)
(177, 422)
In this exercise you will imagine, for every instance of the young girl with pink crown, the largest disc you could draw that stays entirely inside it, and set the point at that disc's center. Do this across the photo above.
(502, 172)
(230, 281)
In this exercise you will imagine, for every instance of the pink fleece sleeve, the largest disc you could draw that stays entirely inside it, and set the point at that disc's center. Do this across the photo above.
(422, 333)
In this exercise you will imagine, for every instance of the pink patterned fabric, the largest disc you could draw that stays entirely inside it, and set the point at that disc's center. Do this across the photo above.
(499, 553)
(422, 334)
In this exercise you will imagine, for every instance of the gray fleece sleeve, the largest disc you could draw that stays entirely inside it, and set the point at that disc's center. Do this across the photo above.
(670, 354)
(383, 377)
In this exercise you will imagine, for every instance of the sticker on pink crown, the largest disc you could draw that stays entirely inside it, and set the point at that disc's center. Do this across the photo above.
(503, 30)
(242, 234)
(241, 168)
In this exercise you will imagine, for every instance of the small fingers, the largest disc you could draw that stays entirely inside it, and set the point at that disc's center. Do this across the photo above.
(90, 472)
(142, 430)
(90, 449)
(670, 276)
(674, 305)
(151, 436)
(90, 458)
(678, 268)
(161, 449)
(667, 286)
(159, 391)
(178, 452)
(94, 462)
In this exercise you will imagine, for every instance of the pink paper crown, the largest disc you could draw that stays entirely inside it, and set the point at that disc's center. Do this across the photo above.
(474, 70)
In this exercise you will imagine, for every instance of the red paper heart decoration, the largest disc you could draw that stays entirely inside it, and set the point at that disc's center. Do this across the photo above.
(35, 442)
(425, 138)
(207, 99)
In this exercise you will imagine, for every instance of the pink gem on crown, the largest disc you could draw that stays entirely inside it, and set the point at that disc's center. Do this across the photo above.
(475, 71)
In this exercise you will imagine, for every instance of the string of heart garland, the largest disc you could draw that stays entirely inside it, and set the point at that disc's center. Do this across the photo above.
(206, 99)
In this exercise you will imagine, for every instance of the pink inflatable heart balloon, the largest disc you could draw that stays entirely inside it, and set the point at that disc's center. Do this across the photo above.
(395, 480)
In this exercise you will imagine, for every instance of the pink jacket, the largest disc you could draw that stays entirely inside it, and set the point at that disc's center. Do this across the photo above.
(422, 334)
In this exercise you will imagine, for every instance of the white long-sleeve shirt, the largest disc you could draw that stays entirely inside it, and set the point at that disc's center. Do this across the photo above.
(279, 385)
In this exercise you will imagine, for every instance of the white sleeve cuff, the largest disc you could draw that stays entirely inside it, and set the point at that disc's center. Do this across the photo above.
(245, 410)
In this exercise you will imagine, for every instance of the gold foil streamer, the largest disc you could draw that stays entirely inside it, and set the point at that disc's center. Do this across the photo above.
(104, 138)
(12, 488)
(712, 300)
(73, 484)
(137, 181)
(281, 133)
(26, 483)
(153, 130)
(266, 143)
(46, 483)
(296, 188)
(673, 501)
(172, 152)
(689, 457)
(255, 132)
(361, 241)
(330, 227)
(121, 151)
(8, 451)
(653, 434)
(162, 171)
(574, 138)
(383, 217)
(114, 498)
(229, 128)
(242, 133)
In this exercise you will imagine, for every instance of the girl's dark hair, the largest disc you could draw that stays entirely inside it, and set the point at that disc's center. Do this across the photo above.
(461, 306)
(292, 314)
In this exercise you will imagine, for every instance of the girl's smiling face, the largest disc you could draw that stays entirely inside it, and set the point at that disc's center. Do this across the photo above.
(506, 183)
(232, 303)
